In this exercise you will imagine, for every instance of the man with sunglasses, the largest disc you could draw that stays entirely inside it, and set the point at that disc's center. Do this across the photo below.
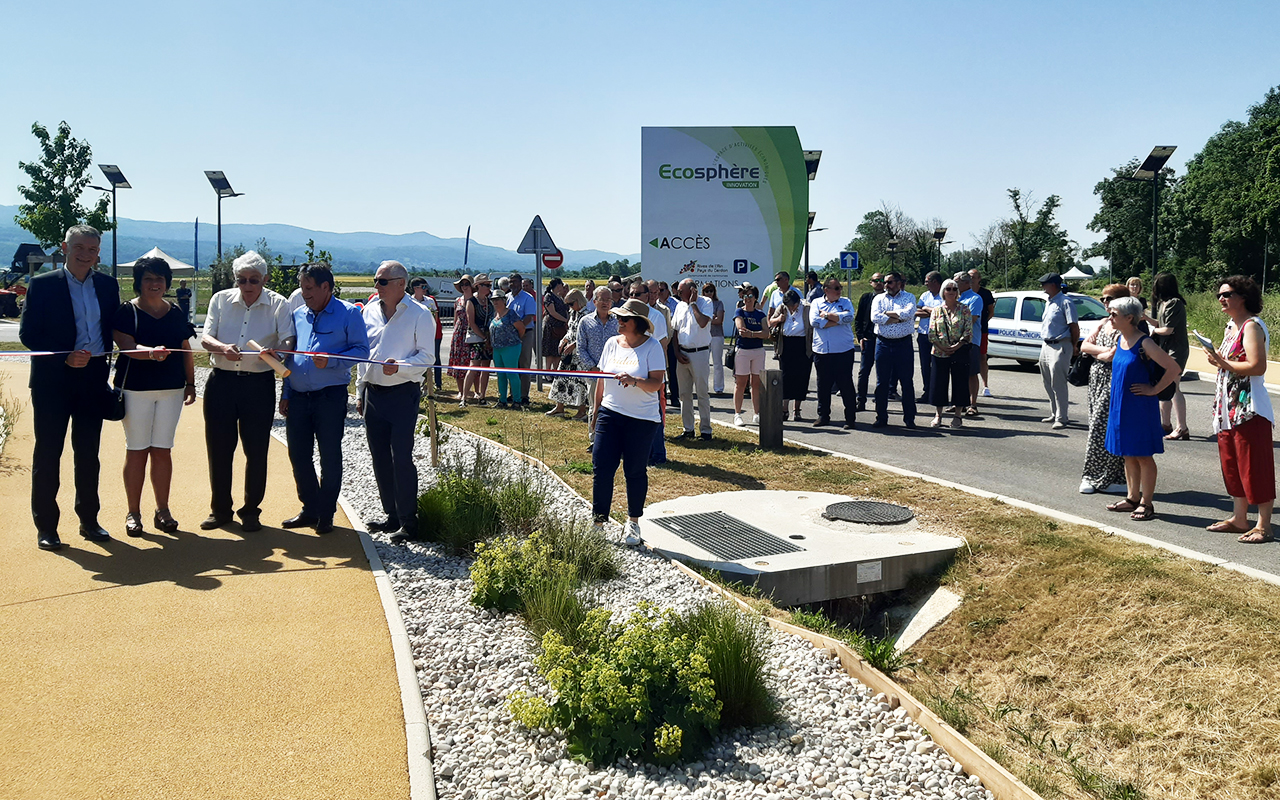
(240, 396)
(401, 335)
(314, 398)
(865, 334)
(894, 315)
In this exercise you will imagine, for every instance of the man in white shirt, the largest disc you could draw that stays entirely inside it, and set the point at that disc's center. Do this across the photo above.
(660, 329)
(929, 299)
(240, 397)
(418, 287)
(894, 315)
(692, 322)
(402, 336)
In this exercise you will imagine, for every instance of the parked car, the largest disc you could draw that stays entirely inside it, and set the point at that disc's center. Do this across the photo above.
(1015, 326)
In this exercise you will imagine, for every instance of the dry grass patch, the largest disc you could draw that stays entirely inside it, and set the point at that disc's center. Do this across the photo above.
(1089, 665)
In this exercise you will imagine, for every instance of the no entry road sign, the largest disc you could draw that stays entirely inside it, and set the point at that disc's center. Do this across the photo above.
(553, 260)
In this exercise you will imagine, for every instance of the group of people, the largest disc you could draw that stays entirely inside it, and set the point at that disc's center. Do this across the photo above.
(650, 341)
(76, 313)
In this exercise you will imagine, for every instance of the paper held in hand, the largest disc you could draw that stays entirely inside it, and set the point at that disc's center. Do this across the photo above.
(1205, 341)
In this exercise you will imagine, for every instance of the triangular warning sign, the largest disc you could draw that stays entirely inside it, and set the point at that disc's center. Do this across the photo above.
(537, 240)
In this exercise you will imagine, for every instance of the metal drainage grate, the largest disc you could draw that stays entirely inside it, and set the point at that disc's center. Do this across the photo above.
(869, 512)
(726, 537)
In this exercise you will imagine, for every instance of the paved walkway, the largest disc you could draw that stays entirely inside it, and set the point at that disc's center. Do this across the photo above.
(192, 665)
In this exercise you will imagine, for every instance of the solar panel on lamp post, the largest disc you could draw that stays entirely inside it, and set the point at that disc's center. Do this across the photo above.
(220, 185)
(117, 180)
(811, 159)
(1150, 170)
(939, 234)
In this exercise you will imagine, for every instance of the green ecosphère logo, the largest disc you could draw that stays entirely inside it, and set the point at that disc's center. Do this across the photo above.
(730, 177)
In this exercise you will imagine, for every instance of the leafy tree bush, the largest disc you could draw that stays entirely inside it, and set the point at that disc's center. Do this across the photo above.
(54, 186)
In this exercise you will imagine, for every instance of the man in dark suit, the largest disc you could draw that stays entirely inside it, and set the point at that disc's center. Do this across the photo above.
(69, 309)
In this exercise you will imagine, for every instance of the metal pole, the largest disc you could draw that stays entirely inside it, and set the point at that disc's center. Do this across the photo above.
(537, 336)
(219, 226)
(115, 227)
(806, 253)
(1266, 243)
(1155, 226)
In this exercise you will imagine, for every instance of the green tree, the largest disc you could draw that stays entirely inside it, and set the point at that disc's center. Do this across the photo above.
(1125, 217)
(1036, 243)
(1227, 207)
(55, 184)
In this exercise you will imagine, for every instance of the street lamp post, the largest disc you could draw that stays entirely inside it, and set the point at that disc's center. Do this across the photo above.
(1149, 170)
(811, 159)
(892, 245)
(117, 180)
(938, 235)
(220, 185)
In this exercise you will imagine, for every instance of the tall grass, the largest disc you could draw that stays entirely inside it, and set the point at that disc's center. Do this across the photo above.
(458, 512)
(551, 603)
(578, 543)
(1205, 315)
(520, 506)
(737, 660)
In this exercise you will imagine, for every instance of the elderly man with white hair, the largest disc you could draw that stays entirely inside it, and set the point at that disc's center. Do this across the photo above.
(402, 336)
(240, 397)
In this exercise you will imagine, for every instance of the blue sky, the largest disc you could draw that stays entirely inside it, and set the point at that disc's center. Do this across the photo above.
(399, 117)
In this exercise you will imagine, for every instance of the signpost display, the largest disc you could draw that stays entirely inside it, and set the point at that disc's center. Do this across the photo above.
(849, 259)
(553, 260)
(722, 205)
(538, 242)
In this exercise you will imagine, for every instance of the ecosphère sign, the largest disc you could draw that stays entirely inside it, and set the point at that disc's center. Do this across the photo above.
(722, 205)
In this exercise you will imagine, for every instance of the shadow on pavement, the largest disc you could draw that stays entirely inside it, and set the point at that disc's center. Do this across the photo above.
(192, 561)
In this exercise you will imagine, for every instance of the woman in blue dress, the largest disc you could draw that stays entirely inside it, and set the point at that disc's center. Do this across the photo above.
(1133, 422)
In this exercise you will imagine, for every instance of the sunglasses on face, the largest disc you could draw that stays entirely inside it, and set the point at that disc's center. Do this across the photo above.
(250, 281)
(1226, 295)
(385, 281)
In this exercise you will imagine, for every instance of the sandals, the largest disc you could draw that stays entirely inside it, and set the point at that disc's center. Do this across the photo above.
(1178, 436)
(1127, 504)
(164, 520)
(554, 413)
(133, 524)
(1256, 536)
(971, 411)
(1227, 526)
(1143, 512)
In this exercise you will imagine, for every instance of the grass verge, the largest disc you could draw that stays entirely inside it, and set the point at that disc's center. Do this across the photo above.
(1096, 667)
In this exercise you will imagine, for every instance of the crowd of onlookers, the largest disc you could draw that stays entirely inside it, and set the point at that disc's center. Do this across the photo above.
(663, 349)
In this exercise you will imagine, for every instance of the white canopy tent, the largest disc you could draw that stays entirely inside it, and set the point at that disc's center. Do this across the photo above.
(1076, 274)
(180, 268)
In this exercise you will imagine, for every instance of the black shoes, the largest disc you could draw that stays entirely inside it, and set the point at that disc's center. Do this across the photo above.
(880, 423)
(94, 533)
(706, 436)
(251, 524)
(848, 426)
(324, 526)
(48, 541)
(164, 521)
(862, 406)
(214, 521)
(687, 435)
(303, 520)
(383, 526)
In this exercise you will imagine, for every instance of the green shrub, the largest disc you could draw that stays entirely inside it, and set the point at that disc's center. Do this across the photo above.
(641, 689)
(550, 601)
(503, 568)
(736, 657)
(581, 545)
(520, 506)
(458, 512)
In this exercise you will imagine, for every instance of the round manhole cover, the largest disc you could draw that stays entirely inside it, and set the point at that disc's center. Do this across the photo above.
(869, 512)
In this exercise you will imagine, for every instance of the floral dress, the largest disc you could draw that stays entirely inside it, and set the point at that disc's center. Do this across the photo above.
(459, 350)
(566, 390)
(1101, 469)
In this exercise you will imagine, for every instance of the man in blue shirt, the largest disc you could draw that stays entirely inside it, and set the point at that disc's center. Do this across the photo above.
(69, 309)
(832, 320)
(526, 307)
(314, 398)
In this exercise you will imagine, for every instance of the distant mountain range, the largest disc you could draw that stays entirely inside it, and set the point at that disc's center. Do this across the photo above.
(352, 252)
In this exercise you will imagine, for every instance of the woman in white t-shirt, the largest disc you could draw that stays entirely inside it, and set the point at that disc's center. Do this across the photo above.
(627, 415)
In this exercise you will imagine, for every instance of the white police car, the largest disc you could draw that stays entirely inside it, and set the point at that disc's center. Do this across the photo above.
(1014, 328)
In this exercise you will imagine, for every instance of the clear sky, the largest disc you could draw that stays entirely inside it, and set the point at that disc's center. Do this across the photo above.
(408, 116)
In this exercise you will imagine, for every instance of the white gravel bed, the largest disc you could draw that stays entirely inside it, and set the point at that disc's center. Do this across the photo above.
(834, 739)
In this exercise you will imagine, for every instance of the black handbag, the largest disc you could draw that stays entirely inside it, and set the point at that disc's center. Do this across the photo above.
(1156, 371)
(1078, 372)
(113, 400)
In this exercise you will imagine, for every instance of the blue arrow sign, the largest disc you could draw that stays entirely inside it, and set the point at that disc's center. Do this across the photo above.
(849, 259)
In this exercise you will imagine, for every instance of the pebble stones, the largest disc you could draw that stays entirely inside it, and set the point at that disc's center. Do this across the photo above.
(835, 740)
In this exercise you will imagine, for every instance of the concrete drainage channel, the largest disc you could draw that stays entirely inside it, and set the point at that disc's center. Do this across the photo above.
(882, 694)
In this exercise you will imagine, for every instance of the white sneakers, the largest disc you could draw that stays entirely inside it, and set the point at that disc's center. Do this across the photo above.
(1086, 488)
(631, 534)
(737, 421)
(1059, 425)
(755, 419)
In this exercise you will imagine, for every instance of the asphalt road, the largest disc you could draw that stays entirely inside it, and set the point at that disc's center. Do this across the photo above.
(1009, 451)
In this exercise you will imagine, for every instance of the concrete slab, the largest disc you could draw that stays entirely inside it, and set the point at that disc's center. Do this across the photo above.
(920, 617)
(835, 559)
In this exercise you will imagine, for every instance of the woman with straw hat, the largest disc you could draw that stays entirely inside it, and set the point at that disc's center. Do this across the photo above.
(627, 414)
